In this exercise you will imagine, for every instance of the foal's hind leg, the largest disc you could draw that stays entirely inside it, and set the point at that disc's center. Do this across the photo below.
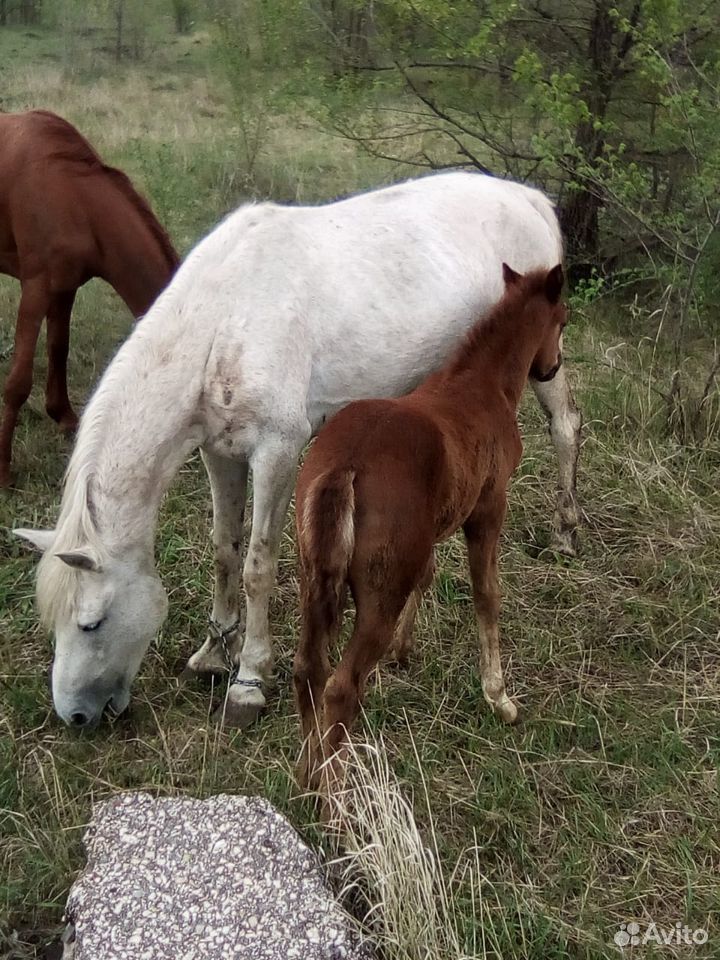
(274, 465)
(345, 691)
(382, 584)
(556, 399)
(57, 402)
(228, 485)
(34, 303)
(482, 532)
(322, 612)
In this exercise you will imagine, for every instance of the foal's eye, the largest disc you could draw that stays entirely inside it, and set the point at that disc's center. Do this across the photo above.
(89, 627)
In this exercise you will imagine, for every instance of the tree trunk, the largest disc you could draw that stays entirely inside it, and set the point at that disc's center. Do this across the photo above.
(579, 212)
(30, 12)
(351, 28)
(183, 18)
(119, 11)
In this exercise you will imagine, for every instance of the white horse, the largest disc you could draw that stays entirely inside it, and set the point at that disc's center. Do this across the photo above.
(277, 319)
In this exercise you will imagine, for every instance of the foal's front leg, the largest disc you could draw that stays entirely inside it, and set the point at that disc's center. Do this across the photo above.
(228, 485)
(404, 639)
(482, 532)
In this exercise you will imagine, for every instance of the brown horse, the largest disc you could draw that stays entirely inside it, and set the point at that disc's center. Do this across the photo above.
(65, 217)
(386, 480)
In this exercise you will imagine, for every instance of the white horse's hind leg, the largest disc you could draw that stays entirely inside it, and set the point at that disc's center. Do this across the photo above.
(274, 466)
(557, 401)
(228, 485)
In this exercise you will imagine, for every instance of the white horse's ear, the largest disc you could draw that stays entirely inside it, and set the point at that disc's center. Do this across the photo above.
(80, 560)
(42, 540)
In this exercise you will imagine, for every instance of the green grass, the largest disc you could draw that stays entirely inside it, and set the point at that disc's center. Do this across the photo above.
(600, 807)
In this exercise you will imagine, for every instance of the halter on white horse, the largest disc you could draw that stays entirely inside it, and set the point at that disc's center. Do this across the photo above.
(276, 320)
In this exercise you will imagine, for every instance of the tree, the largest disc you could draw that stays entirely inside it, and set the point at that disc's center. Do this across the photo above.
(183, 15)
(348, 25)
(534, 89)
(27, 12)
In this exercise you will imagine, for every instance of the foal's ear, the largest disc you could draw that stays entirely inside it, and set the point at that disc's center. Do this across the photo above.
(510, 276)
(554, 283)
(80, 560)
(42, 540)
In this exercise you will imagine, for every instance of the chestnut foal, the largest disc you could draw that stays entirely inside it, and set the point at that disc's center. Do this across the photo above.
(386, 480)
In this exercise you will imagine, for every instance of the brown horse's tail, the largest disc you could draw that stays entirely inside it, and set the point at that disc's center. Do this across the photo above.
(326, 537)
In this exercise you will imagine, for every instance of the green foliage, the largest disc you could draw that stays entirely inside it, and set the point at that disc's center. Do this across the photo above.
(612, 109)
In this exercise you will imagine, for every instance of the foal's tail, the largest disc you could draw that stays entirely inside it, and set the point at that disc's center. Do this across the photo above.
(326, 536)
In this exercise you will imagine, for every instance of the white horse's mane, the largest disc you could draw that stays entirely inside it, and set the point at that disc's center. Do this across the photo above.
(76, 527)
(56, 581)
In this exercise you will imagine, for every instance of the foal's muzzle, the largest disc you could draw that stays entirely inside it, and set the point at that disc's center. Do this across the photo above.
(544, 377)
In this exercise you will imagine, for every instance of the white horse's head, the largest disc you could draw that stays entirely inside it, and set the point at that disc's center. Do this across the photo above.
(104, 612)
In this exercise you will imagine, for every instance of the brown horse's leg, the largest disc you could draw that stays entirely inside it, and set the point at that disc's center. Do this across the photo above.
(321, 621)
(482, 532)
(57, 402)
(403, 642)
(33, 307)
(345, 691)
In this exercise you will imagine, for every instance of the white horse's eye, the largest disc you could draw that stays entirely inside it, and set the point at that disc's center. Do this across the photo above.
(89, 627)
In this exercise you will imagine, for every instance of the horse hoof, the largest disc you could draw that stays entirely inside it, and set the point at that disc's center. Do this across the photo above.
(564, 536)
(208, 661)
(507, 711)
(208, 673)
(241, 707)
(399, 658)
(188, 675)
(68, 427)
(565, 542)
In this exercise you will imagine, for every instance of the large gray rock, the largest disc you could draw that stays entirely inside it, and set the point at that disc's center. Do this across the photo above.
(218, 879)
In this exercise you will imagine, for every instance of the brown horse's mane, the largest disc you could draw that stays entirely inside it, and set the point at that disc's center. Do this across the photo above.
(475, 339)
(70, 145)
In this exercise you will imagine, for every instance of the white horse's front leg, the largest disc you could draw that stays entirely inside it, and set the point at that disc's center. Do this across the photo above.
(274, 466)
(228, 485)
(556, 399)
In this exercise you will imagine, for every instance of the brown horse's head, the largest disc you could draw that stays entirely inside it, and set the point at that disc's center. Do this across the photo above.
(550, 313)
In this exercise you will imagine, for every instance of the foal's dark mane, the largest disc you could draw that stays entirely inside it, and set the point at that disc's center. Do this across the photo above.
(502, 317)
(70, 145)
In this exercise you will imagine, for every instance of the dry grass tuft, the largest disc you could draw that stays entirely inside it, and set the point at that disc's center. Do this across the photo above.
(384, 863)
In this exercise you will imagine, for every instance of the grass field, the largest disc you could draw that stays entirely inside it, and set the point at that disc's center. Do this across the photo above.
(599, 808)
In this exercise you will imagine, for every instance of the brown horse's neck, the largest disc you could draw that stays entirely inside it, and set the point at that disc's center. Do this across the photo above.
(496, 355)
(136, 257)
